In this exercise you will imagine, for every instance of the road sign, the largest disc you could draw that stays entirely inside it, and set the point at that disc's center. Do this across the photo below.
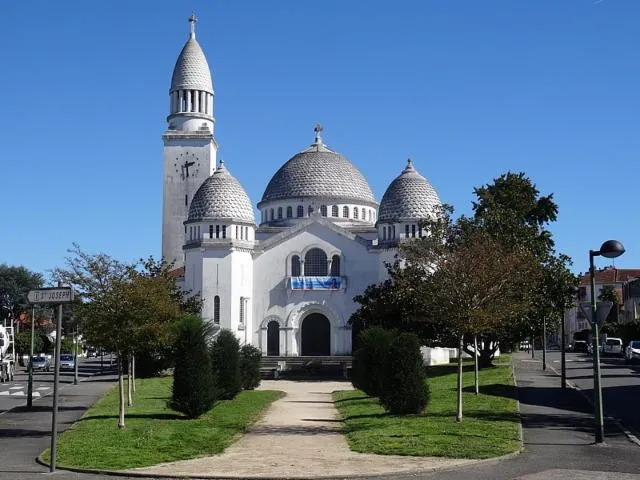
(602, 311)
(51, 295)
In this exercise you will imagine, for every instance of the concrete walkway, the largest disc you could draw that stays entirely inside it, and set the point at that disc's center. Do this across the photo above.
(298, 438)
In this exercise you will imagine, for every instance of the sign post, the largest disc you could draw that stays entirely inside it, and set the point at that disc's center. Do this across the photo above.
(59, 296)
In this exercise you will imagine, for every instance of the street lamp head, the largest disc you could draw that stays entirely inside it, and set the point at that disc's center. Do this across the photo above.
(611, 249)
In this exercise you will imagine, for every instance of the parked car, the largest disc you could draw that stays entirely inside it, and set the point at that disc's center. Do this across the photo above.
(67, 362)
(580, 346)
(40, 363)
(632, 352)
(613, 346)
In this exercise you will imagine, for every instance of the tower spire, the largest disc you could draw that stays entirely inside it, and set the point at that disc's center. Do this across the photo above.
(192, 20)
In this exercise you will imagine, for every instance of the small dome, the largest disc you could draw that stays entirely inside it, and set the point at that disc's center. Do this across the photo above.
(221, 197)
(192, 70)
(319, 172)
(410, 195)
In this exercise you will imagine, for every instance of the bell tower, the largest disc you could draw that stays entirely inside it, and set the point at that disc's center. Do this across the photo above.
(189, 144)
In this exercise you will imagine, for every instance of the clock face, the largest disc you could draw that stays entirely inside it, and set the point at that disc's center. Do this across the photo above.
(187, 165)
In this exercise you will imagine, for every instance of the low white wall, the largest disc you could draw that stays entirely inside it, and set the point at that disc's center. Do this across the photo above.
(434, 355)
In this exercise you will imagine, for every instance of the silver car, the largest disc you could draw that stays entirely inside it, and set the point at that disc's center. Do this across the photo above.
(67, 362)
(632, 353)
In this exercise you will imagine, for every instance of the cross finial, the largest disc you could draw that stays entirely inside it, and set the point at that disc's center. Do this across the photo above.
(318, 129)
(192, 20)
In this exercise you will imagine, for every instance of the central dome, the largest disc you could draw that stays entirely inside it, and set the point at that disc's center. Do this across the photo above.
(319, 172)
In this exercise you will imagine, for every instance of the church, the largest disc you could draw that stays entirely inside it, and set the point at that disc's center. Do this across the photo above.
(281, 276)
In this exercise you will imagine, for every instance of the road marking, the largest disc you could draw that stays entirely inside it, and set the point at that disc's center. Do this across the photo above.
(43, 388)
(4, 393)
(16, 388)
(18, 394)
(36, 394)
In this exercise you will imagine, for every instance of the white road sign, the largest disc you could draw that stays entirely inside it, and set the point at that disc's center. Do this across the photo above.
(51, 295)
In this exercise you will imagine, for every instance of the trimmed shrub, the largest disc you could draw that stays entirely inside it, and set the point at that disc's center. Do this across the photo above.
(250, 367)
(404, 386)
(225, 358)
(369, 360)
(193, 389)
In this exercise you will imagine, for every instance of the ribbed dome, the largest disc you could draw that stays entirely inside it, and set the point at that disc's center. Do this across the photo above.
(220, 197)
(410, 195)
(192, 70)
(319, 172)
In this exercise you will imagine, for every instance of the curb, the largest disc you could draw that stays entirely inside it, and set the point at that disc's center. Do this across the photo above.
(133, 473)
(617, 422)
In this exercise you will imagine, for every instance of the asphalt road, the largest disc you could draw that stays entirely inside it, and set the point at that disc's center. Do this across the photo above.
(14, 394)
(620, 384)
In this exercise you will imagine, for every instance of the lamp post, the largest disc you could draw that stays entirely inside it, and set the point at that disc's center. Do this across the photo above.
(609, 249)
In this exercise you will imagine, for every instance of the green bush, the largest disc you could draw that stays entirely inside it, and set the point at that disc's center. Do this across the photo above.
(250, 358)
(193, 390)
(369, 359)
(225, 356)
(153, 360)
(404, 386)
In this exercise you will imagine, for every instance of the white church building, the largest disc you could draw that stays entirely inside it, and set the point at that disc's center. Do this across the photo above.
(284, 281)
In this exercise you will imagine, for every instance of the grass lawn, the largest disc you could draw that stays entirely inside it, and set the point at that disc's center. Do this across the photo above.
(154, 433)
(489, 427)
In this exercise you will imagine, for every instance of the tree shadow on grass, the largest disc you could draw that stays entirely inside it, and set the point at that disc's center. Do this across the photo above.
(495, 389)
(434, 371)
(148, 416)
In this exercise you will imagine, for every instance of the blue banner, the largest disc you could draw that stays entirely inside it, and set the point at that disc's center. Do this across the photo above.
(316, 283)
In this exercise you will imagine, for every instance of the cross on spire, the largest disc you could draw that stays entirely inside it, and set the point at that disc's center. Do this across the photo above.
(192, 20)
(318, 129)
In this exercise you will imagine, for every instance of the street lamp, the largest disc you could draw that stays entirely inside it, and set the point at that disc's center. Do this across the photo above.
(609, 249)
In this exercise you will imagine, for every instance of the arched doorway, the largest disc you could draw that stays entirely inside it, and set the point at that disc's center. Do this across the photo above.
(315, 336)
(273, 339)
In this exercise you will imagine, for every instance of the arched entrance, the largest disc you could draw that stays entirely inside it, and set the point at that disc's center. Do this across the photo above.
(273, 339)
(315, 335)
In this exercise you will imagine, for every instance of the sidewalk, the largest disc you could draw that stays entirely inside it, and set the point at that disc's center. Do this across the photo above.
(298, 438)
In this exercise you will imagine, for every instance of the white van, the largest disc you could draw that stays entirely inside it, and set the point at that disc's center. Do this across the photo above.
(613, 346)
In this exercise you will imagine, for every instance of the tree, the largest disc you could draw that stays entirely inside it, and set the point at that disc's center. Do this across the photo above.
(15, 283)
(512, 210)
(226, 366)
(250, 357)
(370, 358)
(404, 388)
(471, 284)
(122, 306)
(193, 389)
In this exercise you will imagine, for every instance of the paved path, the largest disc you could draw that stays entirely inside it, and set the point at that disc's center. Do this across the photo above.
(298, 438)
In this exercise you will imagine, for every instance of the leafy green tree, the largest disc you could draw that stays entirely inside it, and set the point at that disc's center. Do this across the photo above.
(512, 210)
(250, 357)
(23, 343)
(404, 387)
(15, 283)
(471, 284)
(370, 358)
(193, 391)
(226, 366)
(129, 313)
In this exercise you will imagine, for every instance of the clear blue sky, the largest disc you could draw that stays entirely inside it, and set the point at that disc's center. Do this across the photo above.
(468, 89)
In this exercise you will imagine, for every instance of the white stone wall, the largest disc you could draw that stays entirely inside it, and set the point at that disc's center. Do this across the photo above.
(274, 299)
(202, 151)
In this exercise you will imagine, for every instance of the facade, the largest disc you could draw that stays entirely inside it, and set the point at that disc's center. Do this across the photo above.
(618, 278)
(284, 282)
